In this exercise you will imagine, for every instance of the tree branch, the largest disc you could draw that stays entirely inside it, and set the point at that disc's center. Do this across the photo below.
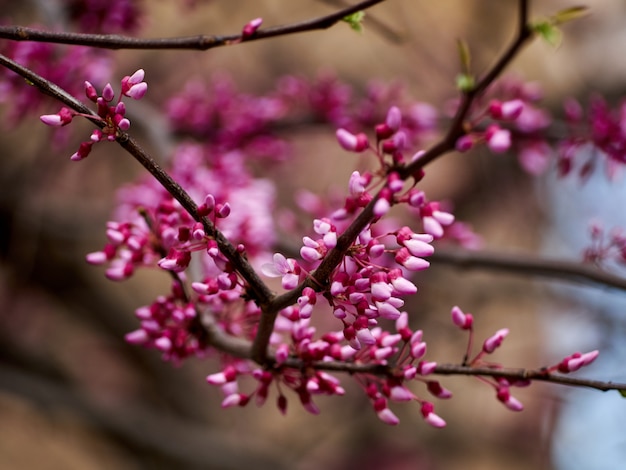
(528, 265)
(200, 42)
(456, 130)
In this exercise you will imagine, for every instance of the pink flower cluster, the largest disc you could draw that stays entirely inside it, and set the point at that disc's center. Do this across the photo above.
(111, 116)
(404, 345)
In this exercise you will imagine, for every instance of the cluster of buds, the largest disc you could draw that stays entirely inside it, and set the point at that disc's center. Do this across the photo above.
(509, 118)
(111, 117)
(294, 337)
(169, 325)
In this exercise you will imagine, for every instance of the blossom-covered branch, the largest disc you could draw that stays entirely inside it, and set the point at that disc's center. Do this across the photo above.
(209, 221)
(261, 292)
(199, 42)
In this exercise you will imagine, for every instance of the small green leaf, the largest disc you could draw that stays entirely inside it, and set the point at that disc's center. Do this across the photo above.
(549, 32)
(570, 14)
(622, 393)
(355, 21)
(464, 55)
(465, 82)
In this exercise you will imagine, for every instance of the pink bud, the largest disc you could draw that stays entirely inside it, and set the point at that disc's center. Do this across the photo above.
(394, 118)
(492, 343)
(90, 92)
(137, 91)
(223, 211)
(412, 263)
(498, 140)
(250, 28)
(430, 417)
(509, 401)
(107, 92)
(381, 207)
(435, 388)
(137, 77)
(464, 143)
(508, 110)
(137, 337)
(576, 361)
(62, 118)
(460, 319)
(387, 417)
(400, 393)
(353, 143)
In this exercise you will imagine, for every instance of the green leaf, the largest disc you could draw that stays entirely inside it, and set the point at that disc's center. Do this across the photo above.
(464, 55)
(355, 21)
(622, 393)
(549, 32)
(465, 82)
(570, 14)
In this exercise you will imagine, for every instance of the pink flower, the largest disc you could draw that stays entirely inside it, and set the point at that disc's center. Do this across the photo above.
(460, 319)
(351, 142)
(507, 110)
(498, 140)
(430, 417)
(576, 361)
(62, 118)
(133, 86)
(250, 28)
(509, 401)
(493, 342)
(287, 268)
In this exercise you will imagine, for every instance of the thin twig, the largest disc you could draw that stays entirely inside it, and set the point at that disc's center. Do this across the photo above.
(528, 265)
(456, 130)
(199, 42)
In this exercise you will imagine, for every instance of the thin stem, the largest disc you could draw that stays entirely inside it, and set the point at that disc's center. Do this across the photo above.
(200, 42)
(456, 130)
(528, 265)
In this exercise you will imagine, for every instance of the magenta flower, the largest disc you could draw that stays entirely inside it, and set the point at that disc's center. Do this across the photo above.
(287, 268)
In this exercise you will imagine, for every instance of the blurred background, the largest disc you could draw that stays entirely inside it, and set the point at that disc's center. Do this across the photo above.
(74, 395)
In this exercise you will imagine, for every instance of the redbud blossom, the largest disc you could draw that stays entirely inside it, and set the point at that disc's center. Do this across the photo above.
(507, 110)
(576, 361)
(62, 118)
(464, 143)
(430, 417)
(250, 28)
(460, 319)
(498, 140)
(435, 388)
(493, 342)
(133, 86)
(353, 143)
(412, 263)
(400, 393)
(509, 401)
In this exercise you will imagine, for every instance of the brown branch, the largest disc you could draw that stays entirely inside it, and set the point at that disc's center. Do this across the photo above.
(528, 265)
(200, 42)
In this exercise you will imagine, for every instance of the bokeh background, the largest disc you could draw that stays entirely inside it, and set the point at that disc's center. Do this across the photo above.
(74, 395)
